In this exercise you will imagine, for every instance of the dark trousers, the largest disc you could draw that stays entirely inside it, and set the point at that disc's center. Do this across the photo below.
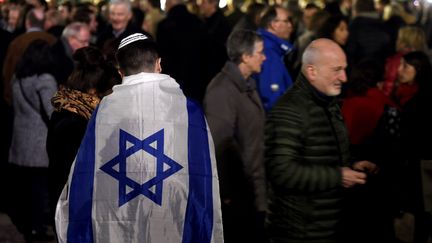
(241, 223)
(368, 213)
(28, 199)
(5, 141)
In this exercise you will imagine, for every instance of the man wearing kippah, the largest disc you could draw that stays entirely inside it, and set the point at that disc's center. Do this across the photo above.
(145, 170)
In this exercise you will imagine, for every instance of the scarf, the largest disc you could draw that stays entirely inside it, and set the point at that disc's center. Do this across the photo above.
(75, 101)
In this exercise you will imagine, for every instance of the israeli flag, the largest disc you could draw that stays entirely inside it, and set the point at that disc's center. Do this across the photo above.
(145, 171)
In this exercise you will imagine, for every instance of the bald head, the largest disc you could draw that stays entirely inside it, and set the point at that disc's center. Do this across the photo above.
(323, 65)
(319, 50)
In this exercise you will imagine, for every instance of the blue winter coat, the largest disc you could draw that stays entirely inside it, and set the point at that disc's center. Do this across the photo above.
(274, 79)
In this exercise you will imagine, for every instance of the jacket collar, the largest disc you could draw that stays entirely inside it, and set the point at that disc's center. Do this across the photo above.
(280, 45)
(244, 85)
(318, 97)
(67, 47)
(143, 78)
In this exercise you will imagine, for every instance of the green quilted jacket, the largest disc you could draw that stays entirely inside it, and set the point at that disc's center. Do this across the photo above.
(306, 144)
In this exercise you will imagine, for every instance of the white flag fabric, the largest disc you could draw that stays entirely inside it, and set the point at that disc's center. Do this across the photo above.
(145, 170)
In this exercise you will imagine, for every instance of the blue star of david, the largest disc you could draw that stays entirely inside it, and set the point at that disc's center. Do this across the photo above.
(156, 181)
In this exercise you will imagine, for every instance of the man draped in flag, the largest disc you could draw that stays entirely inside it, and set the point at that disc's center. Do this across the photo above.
(145, 171)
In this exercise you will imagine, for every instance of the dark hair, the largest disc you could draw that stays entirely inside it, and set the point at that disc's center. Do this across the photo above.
(68, 5)
(138, 56)
(241, 42)
(138, 17)
(82, 14)
(333, 7)
(330, 25)
(364, 75)
(155, 3)
(318, 19)
(34, 19)
(311, 6)
(87, 5)
(421, 63)
(37, 59)
(44, 4)
(92, 71)
(254, 10)
(268, 16)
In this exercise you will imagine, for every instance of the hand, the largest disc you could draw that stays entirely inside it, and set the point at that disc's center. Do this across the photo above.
(366, 166)
(351, 177)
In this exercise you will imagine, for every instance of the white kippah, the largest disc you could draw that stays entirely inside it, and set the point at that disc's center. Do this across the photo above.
(132, 38)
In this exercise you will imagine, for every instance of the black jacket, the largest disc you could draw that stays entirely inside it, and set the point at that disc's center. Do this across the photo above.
(306, 146)
(63, 61)
(182, 40)
(368, 38)
(65, 132)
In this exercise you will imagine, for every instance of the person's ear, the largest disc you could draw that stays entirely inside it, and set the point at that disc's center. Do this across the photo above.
(310, 72)
(273, 25)
(121, 73)
(245, 58)
(158, 67)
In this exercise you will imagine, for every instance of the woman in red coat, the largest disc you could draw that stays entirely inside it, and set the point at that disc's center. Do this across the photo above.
(364, 104)
(410, 38)
(414, 95)
(362, 109)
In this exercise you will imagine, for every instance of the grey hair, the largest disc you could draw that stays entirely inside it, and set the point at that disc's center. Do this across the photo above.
(127, 3)
(72, 29)
(310, 56)
(241, 42)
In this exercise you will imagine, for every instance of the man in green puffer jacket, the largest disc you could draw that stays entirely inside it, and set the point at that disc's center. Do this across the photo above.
(307, 152)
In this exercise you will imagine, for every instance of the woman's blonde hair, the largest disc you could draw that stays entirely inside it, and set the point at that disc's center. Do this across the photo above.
(412, 38)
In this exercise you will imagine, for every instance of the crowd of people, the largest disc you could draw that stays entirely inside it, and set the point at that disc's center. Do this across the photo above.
(320, 114)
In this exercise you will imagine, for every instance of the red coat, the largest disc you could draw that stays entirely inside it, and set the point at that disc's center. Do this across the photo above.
(391, 72)
(404, 93)
(362, 113)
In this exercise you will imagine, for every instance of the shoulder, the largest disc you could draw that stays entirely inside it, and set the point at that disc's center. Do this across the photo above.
(221, 81)
(45, 80)
(220, 89)
(42, 35)
(297, 97)
(293, 101)
(46, 77)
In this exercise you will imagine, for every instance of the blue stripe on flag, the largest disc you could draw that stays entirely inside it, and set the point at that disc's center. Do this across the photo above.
(81, 188)
(198, 223)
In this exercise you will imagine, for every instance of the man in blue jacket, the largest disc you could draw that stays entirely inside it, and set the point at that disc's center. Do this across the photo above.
(274, 79)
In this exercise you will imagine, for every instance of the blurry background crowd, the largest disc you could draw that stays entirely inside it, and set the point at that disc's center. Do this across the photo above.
(387, 45)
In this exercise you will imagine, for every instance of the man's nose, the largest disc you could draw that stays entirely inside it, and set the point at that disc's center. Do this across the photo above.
(343, 77)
